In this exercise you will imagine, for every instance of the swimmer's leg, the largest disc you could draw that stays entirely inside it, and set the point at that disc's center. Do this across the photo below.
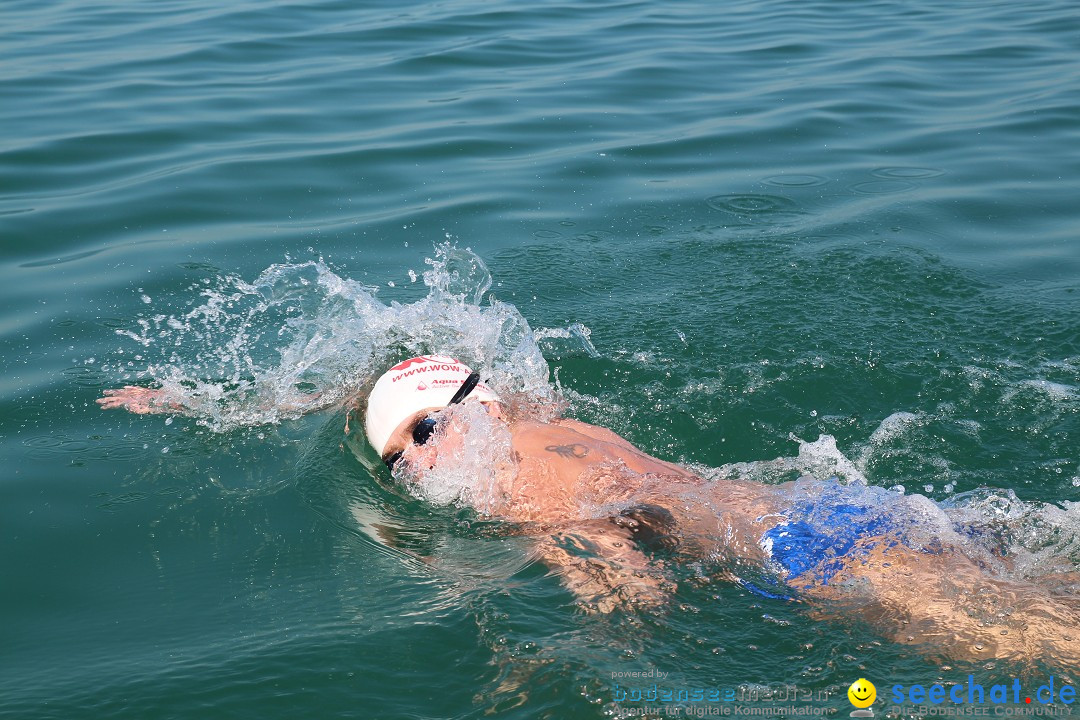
(1063, 587)
(948, 604)
(599, 561)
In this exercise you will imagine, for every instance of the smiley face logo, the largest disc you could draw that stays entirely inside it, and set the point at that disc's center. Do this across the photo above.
(862, 693)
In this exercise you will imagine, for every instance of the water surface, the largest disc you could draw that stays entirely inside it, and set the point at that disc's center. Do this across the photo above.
(721, 231)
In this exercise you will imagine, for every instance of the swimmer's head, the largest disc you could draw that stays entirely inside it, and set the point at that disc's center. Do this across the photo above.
(410, 387)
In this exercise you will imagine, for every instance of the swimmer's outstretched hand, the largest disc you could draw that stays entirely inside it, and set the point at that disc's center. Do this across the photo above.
(138, 400)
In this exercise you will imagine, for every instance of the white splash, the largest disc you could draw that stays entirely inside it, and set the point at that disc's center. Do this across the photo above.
(820, 459)
(1035, 538)
(301, 337)
(468, 461)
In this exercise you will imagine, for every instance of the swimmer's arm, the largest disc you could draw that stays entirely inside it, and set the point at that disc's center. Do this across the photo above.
(599, 562)
(147, 401)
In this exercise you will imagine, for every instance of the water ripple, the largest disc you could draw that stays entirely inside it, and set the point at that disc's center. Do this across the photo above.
(908, 173)
(795, 180)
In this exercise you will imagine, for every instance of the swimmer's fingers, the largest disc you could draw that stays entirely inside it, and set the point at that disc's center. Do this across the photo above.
(135, 406)
(138, 400)
(114, 398)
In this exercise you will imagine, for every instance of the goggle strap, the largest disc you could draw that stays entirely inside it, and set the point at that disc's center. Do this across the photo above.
(466, 387)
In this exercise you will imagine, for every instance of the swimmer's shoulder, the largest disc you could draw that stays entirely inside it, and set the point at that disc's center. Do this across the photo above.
(594, 432)
(533, 436)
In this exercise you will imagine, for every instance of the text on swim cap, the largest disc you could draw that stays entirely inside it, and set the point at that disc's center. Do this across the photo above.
(429, 368)
(423, 359)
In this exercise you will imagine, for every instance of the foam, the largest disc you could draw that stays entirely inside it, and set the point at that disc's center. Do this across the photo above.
(820, 459)
(1036, 538)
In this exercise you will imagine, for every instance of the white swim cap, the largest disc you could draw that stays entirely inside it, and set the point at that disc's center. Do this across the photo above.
(411, 386)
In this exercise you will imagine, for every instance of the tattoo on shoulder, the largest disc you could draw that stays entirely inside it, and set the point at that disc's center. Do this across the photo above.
(576, 450)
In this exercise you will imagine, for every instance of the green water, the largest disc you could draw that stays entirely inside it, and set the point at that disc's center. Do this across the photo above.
(729, 227)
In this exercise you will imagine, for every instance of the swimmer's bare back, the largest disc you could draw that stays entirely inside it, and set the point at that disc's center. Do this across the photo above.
(943, 602)
(569, 472)
(566, 465)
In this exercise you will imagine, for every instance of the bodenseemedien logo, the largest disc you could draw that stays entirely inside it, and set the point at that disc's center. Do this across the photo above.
(862, 694)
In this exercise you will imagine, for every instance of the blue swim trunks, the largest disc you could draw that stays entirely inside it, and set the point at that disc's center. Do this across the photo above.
(818, 535)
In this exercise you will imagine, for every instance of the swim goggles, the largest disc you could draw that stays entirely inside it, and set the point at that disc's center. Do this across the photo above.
(423, 430)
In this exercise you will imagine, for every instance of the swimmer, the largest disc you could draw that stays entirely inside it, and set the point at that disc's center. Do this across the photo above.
(612, 520)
